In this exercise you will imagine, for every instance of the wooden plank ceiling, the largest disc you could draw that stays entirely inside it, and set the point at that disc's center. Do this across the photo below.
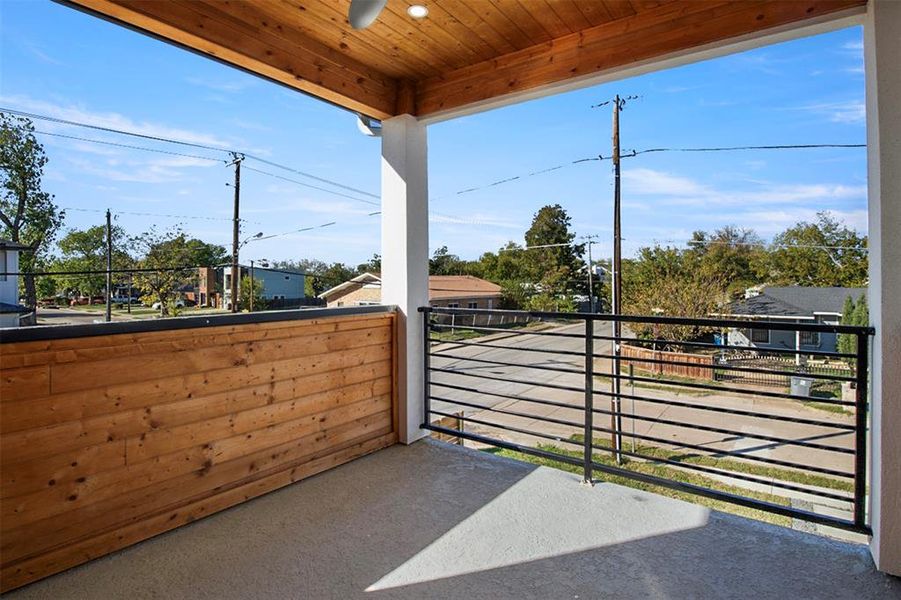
(463, 52)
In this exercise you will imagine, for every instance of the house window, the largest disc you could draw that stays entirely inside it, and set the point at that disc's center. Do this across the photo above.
(472, 305)
(3, 265)
(758, 336)
(340, 303)
(453, 305)
(810, 338)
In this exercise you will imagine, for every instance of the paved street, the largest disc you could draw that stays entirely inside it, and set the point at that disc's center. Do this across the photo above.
(528, 380)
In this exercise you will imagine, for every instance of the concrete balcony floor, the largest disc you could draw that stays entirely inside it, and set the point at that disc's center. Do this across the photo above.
(438, 521)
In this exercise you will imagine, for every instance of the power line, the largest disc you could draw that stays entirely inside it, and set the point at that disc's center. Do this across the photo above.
(740, 148)
(184, 143)
(164, 216)
(275, 235)
(761, 244)
(267, 173)
(519, 177)
(129, 146)
(634, 153)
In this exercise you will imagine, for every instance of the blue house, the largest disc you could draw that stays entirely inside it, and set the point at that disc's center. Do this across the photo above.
(795, 304)
(278, 284)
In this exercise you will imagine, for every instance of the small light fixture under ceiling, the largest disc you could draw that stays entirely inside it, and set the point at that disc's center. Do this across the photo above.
(417, 11)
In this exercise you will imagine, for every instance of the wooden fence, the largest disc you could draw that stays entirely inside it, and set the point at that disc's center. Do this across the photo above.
(109, 440)
(703, 370)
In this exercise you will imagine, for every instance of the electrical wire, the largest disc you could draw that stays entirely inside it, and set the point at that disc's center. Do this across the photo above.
(267, 173)
(159, 215)
(155, 138)
(129, 146)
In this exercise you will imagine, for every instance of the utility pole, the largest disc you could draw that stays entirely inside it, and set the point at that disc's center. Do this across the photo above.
(109, 266)
(591, 307)
(236, 229)
(616, 278)
(251, 285)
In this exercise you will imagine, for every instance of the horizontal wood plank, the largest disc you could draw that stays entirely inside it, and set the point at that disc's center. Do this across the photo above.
(102, 439)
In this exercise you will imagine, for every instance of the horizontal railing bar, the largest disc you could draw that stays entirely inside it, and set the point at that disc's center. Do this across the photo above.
(756, 436)
(721, 367)
(502, 330)
(773, 461)
(508, 364)
(705, 407)
(518, 348)
(733, 411)
(507, 428)
(508, 396)
(702, 468)
(786, 351)
(507, 411)
(681, 424)
(717, 388)
(553, 386)
(739, 476)
(475, 437)
(647, 379)
(751, 457)
(705, 322)
(653, 480)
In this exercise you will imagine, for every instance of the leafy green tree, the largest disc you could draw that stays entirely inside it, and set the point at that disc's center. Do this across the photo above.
(373, 265)
(202, 254)
(730, 254)
(169, 256)
(821, 254)
(553, 261)
(250, 288)
(666, 281)
(28, 215)
(857, 314)
(445, 263)
(85, 250)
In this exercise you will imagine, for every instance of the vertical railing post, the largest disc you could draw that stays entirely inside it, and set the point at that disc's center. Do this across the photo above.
(860, 431)
(588, 442)
(426, 368)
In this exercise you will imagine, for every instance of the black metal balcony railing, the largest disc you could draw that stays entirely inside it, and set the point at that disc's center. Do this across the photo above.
(776, 429)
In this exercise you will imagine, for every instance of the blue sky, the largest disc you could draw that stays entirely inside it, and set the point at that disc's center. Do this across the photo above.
(59, 62)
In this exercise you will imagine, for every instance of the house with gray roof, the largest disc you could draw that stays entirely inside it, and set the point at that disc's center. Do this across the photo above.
(796, 304)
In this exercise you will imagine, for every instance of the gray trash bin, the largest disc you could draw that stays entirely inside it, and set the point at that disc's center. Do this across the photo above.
(800, 386)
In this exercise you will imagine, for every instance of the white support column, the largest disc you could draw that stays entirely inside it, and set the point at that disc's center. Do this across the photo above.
(405, 257)
(882, 49)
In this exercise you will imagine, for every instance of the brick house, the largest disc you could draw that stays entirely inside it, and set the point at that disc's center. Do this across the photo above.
(453, 291)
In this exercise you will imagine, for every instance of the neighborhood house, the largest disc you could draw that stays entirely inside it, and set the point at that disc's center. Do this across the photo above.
(10, 309)
(446, 291)
(793, 304)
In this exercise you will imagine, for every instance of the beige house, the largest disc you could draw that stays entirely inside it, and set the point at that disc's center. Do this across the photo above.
(451, 291)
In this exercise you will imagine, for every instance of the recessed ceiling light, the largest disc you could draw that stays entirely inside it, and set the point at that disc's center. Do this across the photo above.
(417, 11)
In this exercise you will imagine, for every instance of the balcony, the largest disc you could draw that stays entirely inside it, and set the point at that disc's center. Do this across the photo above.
(438, 521)
(115, 434)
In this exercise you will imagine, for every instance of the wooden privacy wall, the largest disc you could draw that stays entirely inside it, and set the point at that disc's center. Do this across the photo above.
(703, 370)
(106, 441)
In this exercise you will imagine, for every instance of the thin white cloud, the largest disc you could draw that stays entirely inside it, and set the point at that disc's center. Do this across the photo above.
(227, 87)
(112, 120)
(850, 112)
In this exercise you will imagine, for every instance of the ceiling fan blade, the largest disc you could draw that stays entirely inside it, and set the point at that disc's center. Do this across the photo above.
(363, 13)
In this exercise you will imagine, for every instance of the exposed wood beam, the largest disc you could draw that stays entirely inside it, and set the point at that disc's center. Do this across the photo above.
(301, 63)
(655, 33)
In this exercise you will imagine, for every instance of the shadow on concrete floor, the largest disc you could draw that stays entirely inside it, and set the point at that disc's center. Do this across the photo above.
(439, 521)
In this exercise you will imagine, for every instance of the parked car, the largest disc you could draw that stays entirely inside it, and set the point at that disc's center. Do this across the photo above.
(178, 304)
